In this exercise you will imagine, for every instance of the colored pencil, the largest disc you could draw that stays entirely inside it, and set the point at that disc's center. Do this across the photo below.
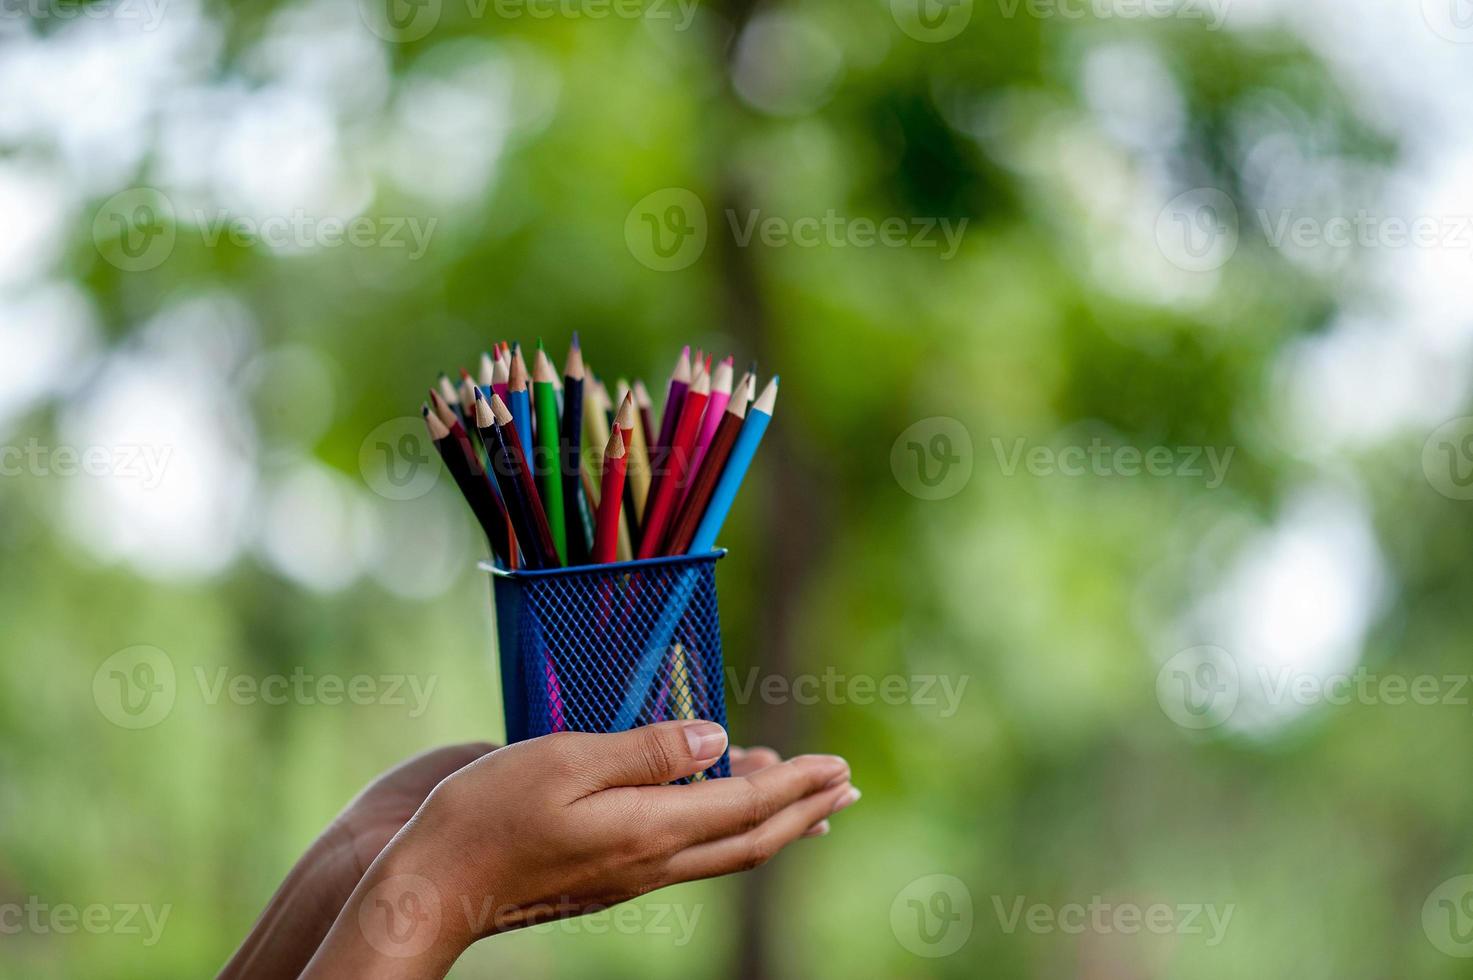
(548, 451)
(540, 535)
(484, 505)
(451, 419)
(637, 480)
(504, 474)
(735, 470)
(571, 448)
(672, 485)
(696, 501)
(442, 409)
(674, 397)
(447, 392)
(486, 373)
(519, 400)
(611, 497)
(500, 373)
(467, 393)
(646, 416)
(715, 410)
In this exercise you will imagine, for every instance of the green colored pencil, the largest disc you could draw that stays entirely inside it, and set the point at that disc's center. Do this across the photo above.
(549, 469)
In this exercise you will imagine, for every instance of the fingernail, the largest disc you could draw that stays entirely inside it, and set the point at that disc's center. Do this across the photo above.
(817, 830)
(846, 800)
(707, 739)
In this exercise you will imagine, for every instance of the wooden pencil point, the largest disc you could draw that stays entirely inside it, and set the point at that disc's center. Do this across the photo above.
(499, 410)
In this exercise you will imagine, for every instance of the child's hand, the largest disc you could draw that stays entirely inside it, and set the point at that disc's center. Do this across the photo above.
(568, 823)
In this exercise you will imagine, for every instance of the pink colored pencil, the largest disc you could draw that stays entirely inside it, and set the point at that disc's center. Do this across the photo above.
(720, 395)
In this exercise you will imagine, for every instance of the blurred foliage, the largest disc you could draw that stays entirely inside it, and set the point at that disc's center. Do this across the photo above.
(1060, 779)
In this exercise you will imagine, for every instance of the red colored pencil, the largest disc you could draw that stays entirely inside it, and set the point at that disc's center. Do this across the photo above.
(682, 445)
(694, 507)
(611, 497)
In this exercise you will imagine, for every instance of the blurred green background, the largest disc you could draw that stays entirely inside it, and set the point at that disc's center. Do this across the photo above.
(1147, 201)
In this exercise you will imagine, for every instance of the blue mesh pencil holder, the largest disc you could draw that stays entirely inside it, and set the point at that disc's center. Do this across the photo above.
(606, 648)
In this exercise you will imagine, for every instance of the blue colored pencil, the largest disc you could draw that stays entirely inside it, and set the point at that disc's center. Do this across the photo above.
(735, 470)
(520, 403)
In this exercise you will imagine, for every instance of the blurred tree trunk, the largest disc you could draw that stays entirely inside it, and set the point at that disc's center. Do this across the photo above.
(793, 526)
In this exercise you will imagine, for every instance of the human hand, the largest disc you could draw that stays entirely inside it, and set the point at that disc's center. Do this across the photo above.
(569, 823)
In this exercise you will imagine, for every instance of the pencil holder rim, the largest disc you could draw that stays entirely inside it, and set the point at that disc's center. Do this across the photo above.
(486, 565)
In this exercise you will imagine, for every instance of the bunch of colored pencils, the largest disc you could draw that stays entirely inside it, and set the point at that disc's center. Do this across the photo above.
(558, 473)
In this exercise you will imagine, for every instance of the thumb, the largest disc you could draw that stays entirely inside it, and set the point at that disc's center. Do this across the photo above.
(645, 756)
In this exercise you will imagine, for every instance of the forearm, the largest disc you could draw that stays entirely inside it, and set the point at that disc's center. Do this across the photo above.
(398, 924)
(299, 915)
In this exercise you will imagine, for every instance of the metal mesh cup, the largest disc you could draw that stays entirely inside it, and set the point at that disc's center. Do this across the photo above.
(606, 648)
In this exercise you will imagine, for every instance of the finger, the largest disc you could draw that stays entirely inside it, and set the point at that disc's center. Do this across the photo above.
(817, 830)
(744, 762)
(756, 847)
(644, 756)
(680, 816)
